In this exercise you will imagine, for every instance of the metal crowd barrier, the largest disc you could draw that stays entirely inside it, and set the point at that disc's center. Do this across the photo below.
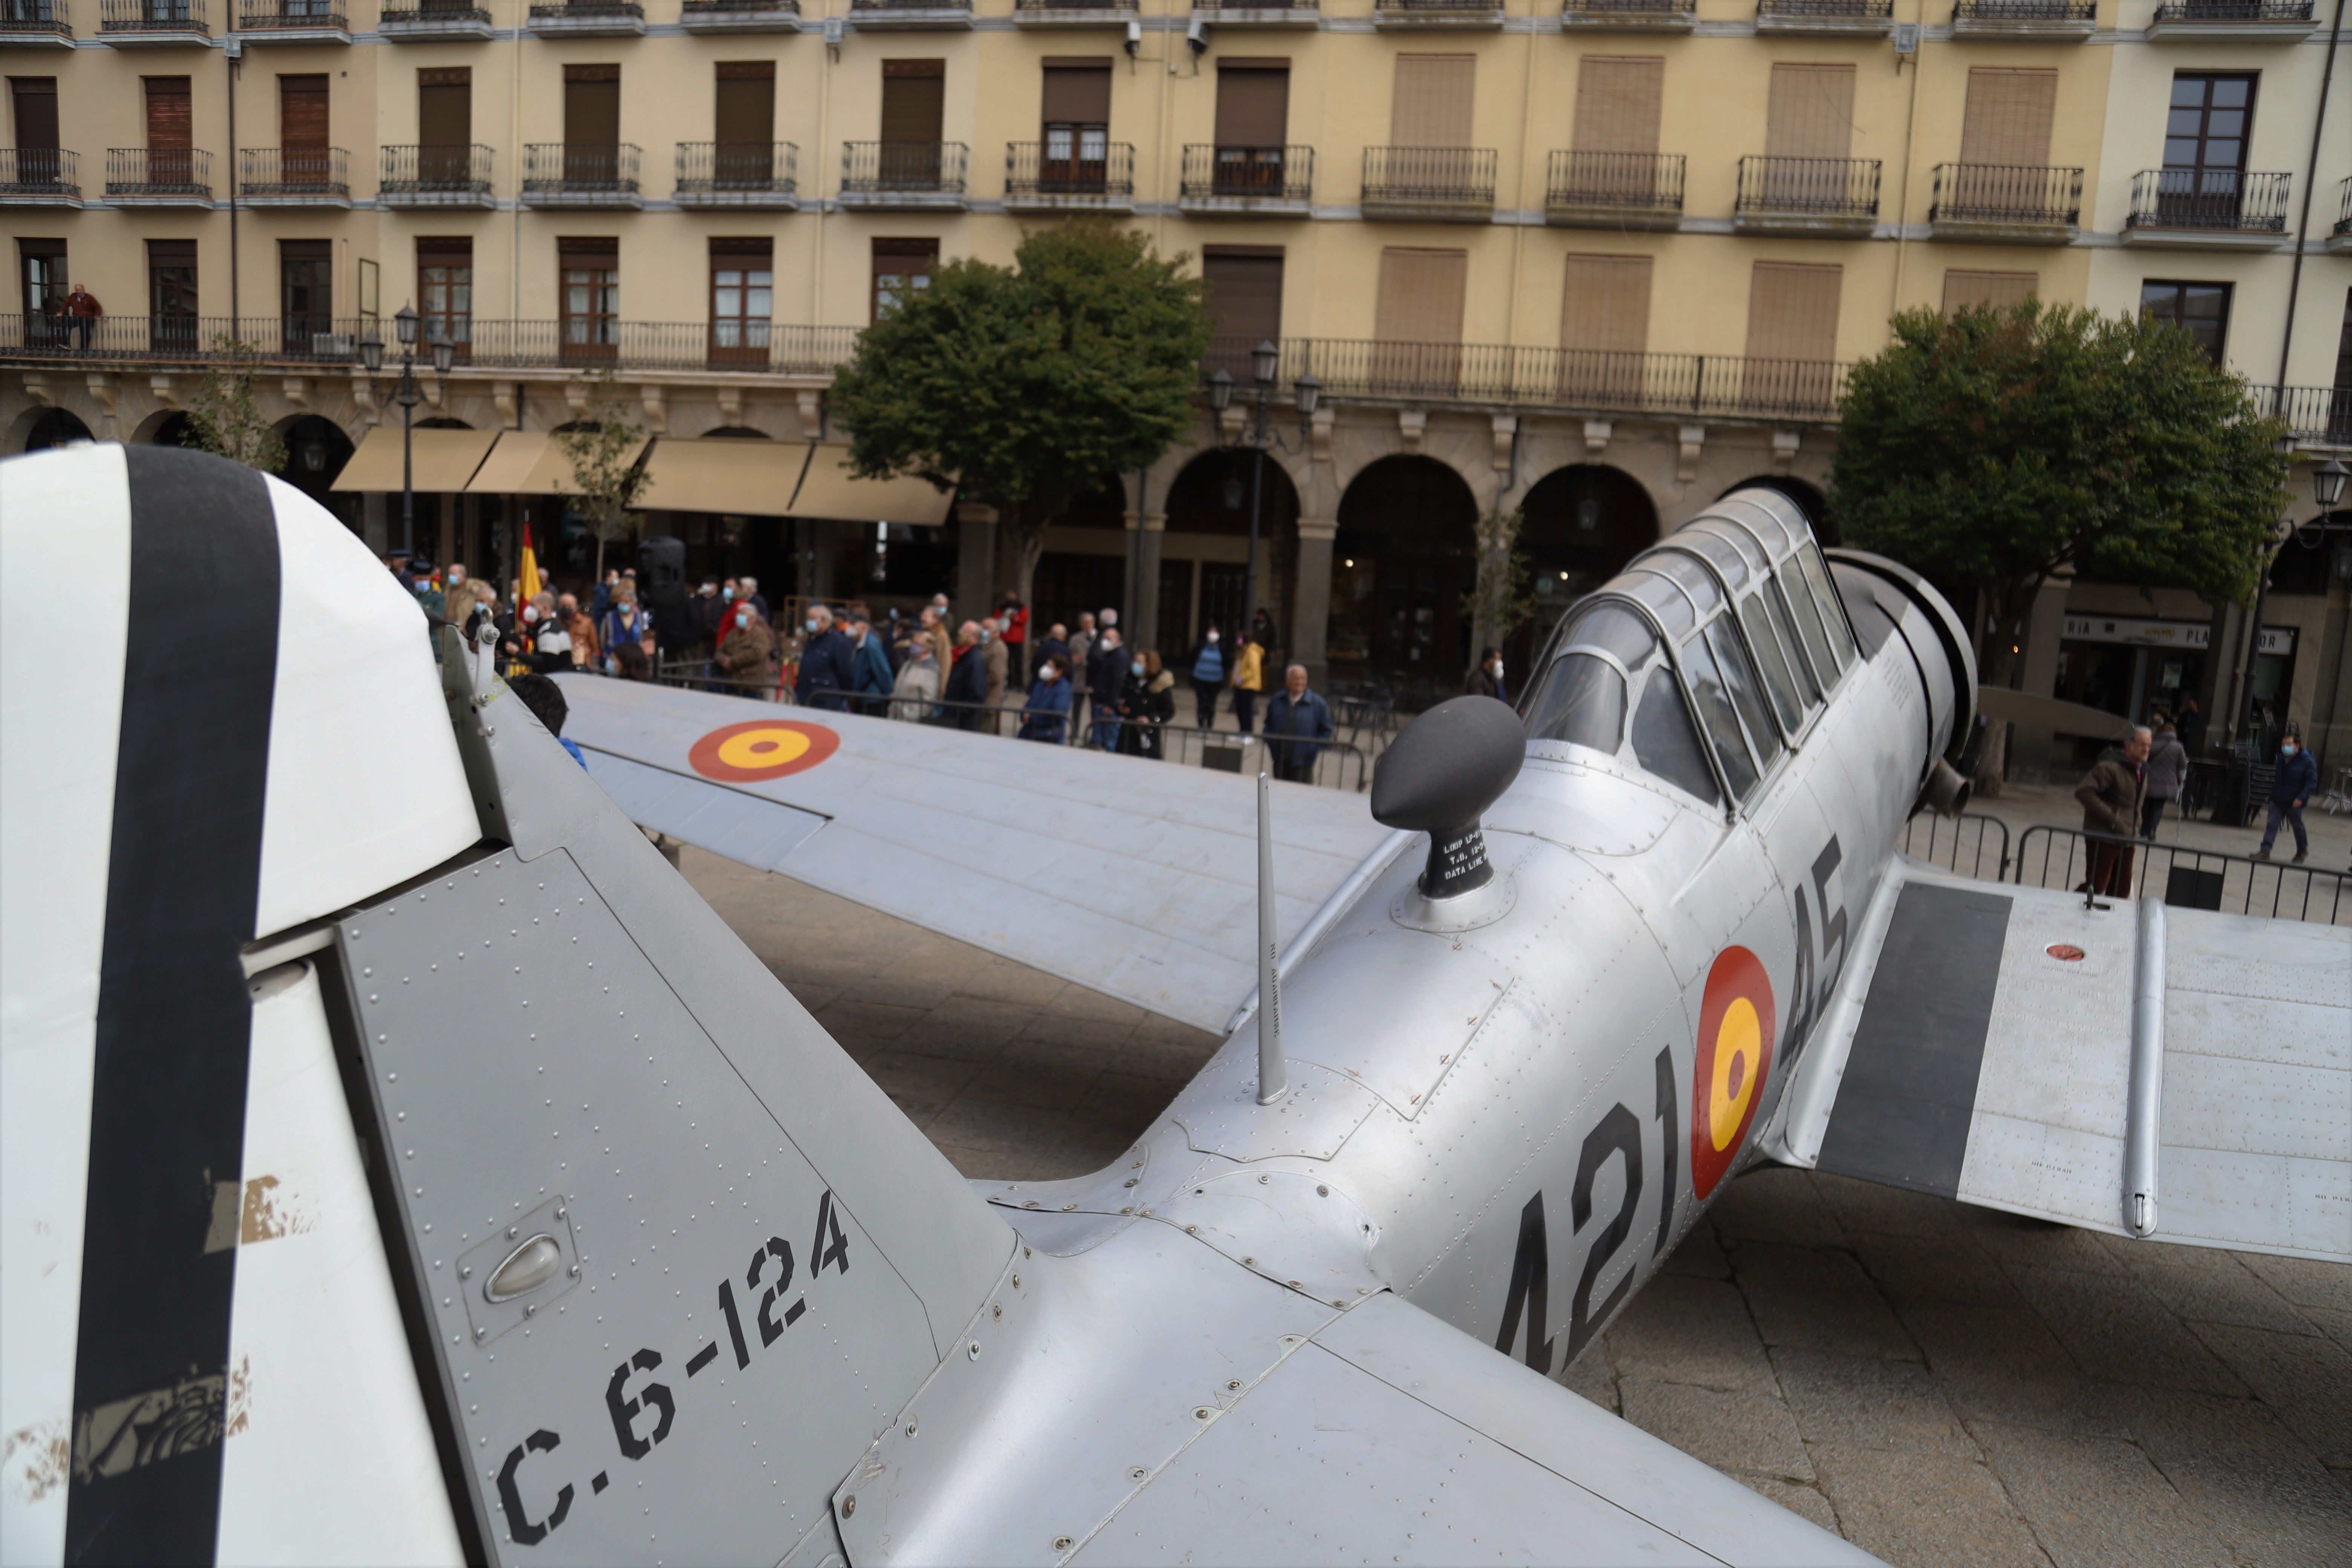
(2190, 879)
(1946, 843)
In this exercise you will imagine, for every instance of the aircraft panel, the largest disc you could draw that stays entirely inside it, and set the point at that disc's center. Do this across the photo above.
(735, 824)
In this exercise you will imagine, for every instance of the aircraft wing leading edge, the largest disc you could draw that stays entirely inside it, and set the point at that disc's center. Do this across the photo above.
(2136, 1068)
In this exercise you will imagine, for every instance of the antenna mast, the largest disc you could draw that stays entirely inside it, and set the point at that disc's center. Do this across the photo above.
(1271, 1082)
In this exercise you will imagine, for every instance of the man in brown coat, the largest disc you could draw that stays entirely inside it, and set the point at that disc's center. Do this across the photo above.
(2113, 794)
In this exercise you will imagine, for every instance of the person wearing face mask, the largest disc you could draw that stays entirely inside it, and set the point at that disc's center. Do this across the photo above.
(825, 662)
(869, 663)
(1208, 678)
(747, 655)
(2291, 790)
(1047, 718)
(1149, 702)
(1109, 681)
(1486, 681)
(550, 643)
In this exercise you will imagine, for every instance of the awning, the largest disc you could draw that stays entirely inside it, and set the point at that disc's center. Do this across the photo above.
(723, 473)
(828, 492)
(442, 460)
(551, 475)
(507, 471)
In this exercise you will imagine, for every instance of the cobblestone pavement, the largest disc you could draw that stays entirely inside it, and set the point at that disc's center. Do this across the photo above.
(1942, 1384)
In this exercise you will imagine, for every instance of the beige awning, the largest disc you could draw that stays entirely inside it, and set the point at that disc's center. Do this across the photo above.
(443, 460)
(829, 491)
(507, 471)
(722, 473)
(551, 475)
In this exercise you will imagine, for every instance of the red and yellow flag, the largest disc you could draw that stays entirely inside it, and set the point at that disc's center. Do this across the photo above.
(531, 583)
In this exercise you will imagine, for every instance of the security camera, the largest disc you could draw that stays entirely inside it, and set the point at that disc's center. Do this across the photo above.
(1134, 36)
(1196, 37)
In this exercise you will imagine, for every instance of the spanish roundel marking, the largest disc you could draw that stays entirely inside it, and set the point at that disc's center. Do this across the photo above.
(761, 749)
(1736, 1021)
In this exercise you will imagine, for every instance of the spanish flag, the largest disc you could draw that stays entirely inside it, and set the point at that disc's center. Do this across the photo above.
(531, 583)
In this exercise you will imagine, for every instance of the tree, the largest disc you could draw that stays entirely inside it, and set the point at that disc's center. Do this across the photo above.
(1503, 596)
(1995, 448)
(601, 445)
(225, 418)
(1027, 385)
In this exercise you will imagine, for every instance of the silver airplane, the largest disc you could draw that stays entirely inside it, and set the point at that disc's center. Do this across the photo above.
(400, 1163)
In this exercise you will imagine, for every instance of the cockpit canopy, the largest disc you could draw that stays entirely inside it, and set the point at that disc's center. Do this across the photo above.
(1707, 658)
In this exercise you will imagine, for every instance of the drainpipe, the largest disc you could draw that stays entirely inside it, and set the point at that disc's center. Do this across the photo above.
(231, 48)
(2302, 227)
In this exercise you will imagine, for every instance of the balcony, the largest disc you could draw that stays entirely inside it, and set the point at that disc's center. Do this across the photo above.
(140, 24)
(2314, 416)
(434, 22)
(293, 22)
(1072, 13)
(588, 19)
(909, 16)
(159, 176)
(746, 175)
(1826, 198)
(2233, 22)
(1304, 13)
(1057, 176)
(1246, 182)
(579, 174)
(2208, 209)
(1628, 16)
(39, 177)
(1839, 19)
(35, 25)
(2056, 21)
(1407, 15)
(903, 176)
(435, 177)
(740, 16)
(1429, 184)
(1995, 204)
(2339, 238)
(1615, 190)
(294, 177)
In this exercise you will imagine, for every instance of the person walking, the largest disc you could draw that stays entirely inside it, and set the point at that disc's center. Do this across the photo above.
(1486, 681)
(825, 662)
(869, 666)
(82, 312)
(2111, 794)
(1297, 712)
(1047, 718)
(2291, 790)
(2167, 768)
(967, 680)
(915, 694)
(1249, 682)
(1208, 678)
(747, 654)
(1149, 704)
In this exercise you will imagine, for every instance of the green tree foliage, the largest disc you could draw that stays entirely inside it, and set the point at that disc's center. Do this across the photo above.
(1503, 596)
(1997, 447)
(1026, 385)
(601, 447)
(226, 419)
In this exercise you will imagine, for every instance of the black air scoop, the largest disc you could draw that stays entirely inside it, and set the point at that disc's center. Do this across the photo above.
(1440, 776)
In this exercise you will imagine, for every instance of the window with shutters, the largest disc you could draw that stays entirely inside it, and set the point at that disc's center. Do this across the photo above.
(1965, 290)
(742, 296)
(2200, 309)
(306, 291)
(901, 267)
(914, 99)
(170, 158)
(743, 124)
(1432, 100)
(1604, 328)
(1418, 327)
(590, 297)
(2007, 121)
(1810, 112)
(444, 290)
(302, 130)
(34, 99)
(1076, 123)
(592, 124)
(41, 278)
(1792, 321)
(1244, 289)
(445, 123)
(171, 293)
(1614, 145)
(2205, 133)
(1252, 119)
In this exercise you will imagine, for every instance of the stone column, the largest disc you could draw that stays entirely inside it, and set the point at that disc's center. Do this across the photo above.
(975, 560)
(825, 548)
(1148, 533)
(1310, 607)
(375, 521)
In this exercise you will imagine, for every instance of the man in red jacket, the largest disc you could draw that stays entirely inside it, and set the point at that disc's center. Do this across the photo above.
(82, 312)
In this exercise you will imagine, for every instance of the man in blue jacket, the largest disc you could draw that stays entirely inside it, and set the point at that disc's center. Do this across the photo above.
(1297, 711)
(2291, 790)
(825, 664)
(869, 664)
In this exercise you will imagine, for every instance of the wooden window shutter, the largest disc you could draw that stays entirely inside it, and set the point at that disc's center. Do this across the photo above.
(170, 253)
(1245, 292)
(1421, 295)
(2007, 123)
(302, 111)
(169, 123)
(1253, 103)
(1077, 92)
(35, 101)
(1963, 289)
(755, 249)
(1606, 304)
(746, 109)
(1811, 112)
(592, 105)
(1433, 95)
(445, 250)
(594, 250)
(445, 107)
(1617, 99)
(1792, 311)
(914, 101)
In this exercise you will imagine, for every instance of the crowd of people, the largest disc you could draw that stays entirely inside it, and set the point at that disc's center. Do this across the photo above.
(2128, 789)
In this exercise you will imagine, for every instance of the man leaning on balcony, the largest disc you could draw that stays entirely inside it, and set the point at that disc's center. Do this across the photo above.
(81, 311)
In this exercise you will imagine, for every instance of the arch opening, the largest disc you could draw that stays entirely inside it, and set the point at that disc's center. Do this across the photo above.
(1582, 523)
(1403, 562)
(1205, 557)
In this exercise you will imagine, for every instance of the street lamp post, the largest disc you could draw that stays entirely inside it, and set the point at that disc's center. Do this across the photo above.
(1265, 365)
(2328, 489)
(445, 354)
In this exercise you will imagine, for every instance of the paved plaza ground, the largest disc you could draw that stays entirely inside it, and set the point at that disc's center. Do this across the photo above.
(1941, 1384)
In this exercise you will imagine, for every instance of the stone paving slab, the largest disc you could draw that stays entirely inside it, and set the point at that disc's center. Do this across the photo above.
(1941, 1384)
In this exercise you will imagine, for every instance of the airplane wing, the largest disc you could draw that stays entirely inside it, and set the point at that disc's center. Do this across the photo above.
(2134, 1068)
(1137, 880)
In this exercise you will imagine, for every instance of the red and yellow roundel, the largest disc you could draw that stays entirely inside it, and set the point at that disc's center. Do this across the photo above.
(761, 749)
(1736, 1021)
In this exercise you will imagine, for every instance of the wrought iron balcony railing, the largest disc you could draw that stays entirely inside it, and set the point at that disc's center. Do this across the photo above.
(879, 10)
(155, 16)
(495, 344)
(159, 171)
(1209, 9)
(27, 20)
(267, 172)
(582, 168)
(431, 18)
(692, 10)
(1598, 12)
(1412, 11)
(1267, 173)
(2235, 11)
(1111, 10)
(879, 168)
(2321, 415)
(268, 15)
(1815, 187)
(734, 172)
(1826, 10)
(2344, 208)
(1998, 194)
(413, 171)
(1650, 181)
(1428, 177)
(2209, 199)
(1078, 168)
(1996, 11)
(576, 15)
(41, 172)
